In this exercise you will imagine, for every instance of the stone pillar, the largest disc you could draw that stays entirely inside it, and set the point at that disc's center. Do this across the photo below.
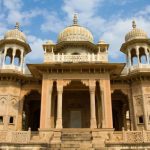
(131, 109)
(147, 54)
(59, 103)
(137, 54)
(49, 104)
(47, 86)
(13, 56)
(93, 123)
(21, 59)
(4, 57)
(106, 101)
(145, 116)
(129, 58)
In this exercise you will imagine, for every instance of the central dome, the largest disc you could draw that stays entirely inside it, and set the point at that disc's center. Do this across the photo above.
(75, 33)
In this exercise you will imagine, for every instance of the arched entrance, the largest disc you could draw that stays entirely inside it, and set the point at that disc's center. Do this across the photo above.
(120, 110)
(31, 111)
(76, 106)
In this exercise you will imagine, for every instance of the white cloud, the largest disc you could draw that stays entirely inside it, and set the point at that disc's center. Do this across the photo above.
(13, 12)
(117, 29)
(12, 4)
(112, 30)
(37, 53)
(52, 23)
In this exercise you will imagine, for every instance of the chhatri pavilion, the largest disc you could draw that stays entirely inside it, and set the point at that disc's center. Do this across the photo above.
(76, 99)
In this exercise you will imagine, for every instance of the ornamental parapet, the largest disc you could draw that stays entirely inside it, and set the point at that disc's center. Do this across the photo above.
(54, 58)
(15, 136)
(128, 137)
(140, 67)
(18, 68)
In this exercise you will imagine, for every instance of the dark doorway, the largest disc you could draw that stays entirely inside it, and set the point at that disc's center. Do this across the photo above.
(31, 111)
(76, 106)
(120, 108)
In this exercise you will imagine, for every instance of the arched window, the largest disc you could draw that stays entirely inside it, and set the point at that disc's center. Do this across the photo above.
(142, 55)
(17, 58)
(143, 59)
(134, 59)
(8, 57)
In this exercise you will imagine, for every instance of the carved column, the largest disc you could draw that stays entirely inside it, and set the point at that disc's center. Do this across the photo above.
(4, 57)
(129, 58)
(137, 54)
(144, 108)
(13, 56)
(106, 101)
(93, 123)
(21, 59)
(49, 104)
(147, 54)
(46, 102)
(103, 108)
(60, 85)
(59, 103)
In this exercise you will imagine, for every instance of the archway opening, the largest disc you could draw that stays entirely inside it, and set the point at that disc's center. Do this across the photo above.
(76, 106)
(17, 58)
(134, 59)
(31, 111)
(120, 110)
(8, 58)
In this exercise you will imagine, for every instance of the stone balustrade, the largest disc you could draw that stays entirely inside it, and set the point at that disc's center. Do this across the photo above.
(136, 67)
(15, 136)
(18, 68)
(51, 57)
(116, 137)
(129, 137)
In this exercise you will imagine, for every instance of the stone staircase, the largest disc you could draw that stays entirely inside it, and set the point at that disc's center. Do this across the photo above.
(74, 139)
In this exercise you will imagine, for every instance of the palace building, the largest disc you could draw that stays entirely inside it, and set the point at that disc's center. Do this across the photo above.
(76, 99)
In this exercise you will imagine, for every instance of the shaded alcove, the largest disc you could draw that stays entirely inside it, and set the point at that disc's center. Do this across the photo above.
(76, 106)
(31, 111)
(120, 107)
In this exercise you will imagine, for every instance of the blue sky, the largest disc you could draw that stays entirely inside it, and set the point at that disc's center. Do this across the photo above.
(42, 20)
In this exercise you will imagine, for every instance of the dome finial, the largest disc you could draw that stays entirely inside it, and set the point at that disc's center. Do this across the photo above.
(17, 25)
(75, 19)
(133, 24)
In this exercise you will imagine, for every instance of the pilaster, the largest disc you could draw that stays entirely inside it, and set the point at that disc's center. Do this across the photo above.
(106, 101)
(46, 102)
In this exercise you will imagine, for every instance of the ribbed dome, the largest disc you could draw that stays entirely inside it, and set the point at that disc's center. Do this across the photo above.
(15, 34)
(102, 42)
(75, 33)
(135, 33)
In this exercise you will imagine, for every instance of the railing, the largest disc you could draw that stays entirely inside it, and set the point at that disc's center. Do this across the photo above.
(128, 137)
(15, 136)
(18, 68)
(135, 67)
(51, 57)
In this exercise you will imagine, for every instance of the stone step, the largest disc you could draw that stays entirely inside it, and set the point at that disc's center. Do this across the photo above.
(76, 139)
(76, 136)
(55, 145)
(63, 145)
